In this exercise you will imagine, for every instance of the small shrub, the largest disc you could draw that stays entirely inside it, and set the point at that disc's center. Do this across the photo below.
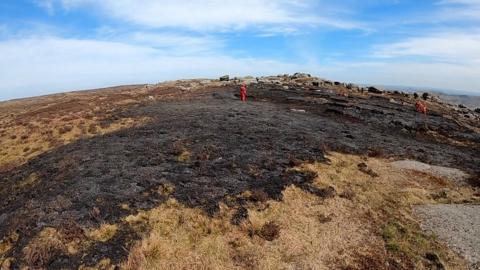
(425, 96)
(269, 231)
(166, 189)
(41, 251)
(322, 218)
(258, 196)
(348, 194)
(92, 129)
(239, 215)
(65, 129)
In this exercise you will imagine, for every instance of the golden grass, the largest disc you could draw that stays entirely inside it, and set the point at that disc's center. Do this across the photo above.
(366, 227)
(23, 142)
(386, 202)
(51, 243)
(46, 246)
(104, 233)
(104, 264)
(184, 156)
(7, 243)
(6, 264)
(177, 237)
(31, 180)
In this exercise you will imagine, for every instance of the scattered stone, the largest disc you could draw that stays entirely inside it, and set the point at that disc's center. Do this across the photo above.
(298, 110)
(374, 90)
(328, 82)
(451, 174)
(299, 75)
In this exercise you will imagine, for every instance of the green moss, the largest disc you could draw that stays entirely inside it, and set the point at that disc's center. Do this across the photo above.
(407, 240)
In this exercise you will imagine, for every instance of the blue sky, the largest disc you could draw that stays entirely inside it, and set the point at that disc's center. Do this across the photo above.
(50, 46)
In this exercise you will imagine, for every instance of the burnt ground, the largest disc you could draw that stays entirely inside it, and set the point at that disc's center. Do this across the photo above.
(209, 148)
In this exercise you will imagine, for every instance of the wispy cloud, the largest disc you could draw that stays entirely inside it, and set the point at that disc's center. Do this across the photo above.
(458, 10)
(219, 15)
(456, 47)
(48, 5)
(42, 65)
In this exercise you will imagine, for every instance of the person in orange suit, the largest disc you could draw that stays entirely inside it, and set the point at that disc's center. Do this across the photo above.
(243, 93)
(421, 107)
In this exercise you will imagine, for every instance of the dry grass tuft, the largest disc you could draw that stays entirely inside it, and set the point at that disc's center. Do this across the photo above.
(7, 244)
(44, 248)
(104, 264)
(166, 189)
(6, 264)
(104, 233)
(31, 180)
(184, 156)
(270, 231)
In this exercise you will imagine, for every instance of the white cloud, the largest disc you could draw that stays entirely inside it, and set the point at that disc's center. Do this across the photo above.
(456, 47)
(458, 10)
(48, 5)
(45, 65)
(219, 15)
(177, 44)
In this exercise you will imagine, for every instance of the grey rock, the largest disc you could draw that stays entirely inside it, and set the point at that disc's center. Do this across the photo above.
(374, 90)
(225, 78)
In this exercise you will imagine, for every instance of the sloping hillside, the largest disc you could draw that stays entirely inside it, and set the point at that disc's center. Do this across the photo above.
(182, 175)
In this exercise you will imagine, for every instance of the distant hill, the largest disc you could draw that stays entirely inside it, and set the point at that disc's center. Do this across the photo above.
(451, 96)
(469, 101)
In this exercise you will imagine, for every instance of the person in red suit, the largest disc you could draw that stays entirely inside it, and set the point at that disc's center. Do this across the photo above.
(243, 93)
(421, 107)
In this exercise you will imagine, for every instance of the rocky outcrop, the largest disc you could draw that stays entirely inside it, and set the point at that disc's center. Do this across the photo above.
(225, 78)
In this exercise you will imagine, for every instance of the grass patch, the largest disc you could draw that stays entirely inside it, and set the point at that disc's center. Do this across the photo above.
(385, 203)
(103, 234)
(184, 156)
(31, 180)
(43, 249)
(285, 234)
